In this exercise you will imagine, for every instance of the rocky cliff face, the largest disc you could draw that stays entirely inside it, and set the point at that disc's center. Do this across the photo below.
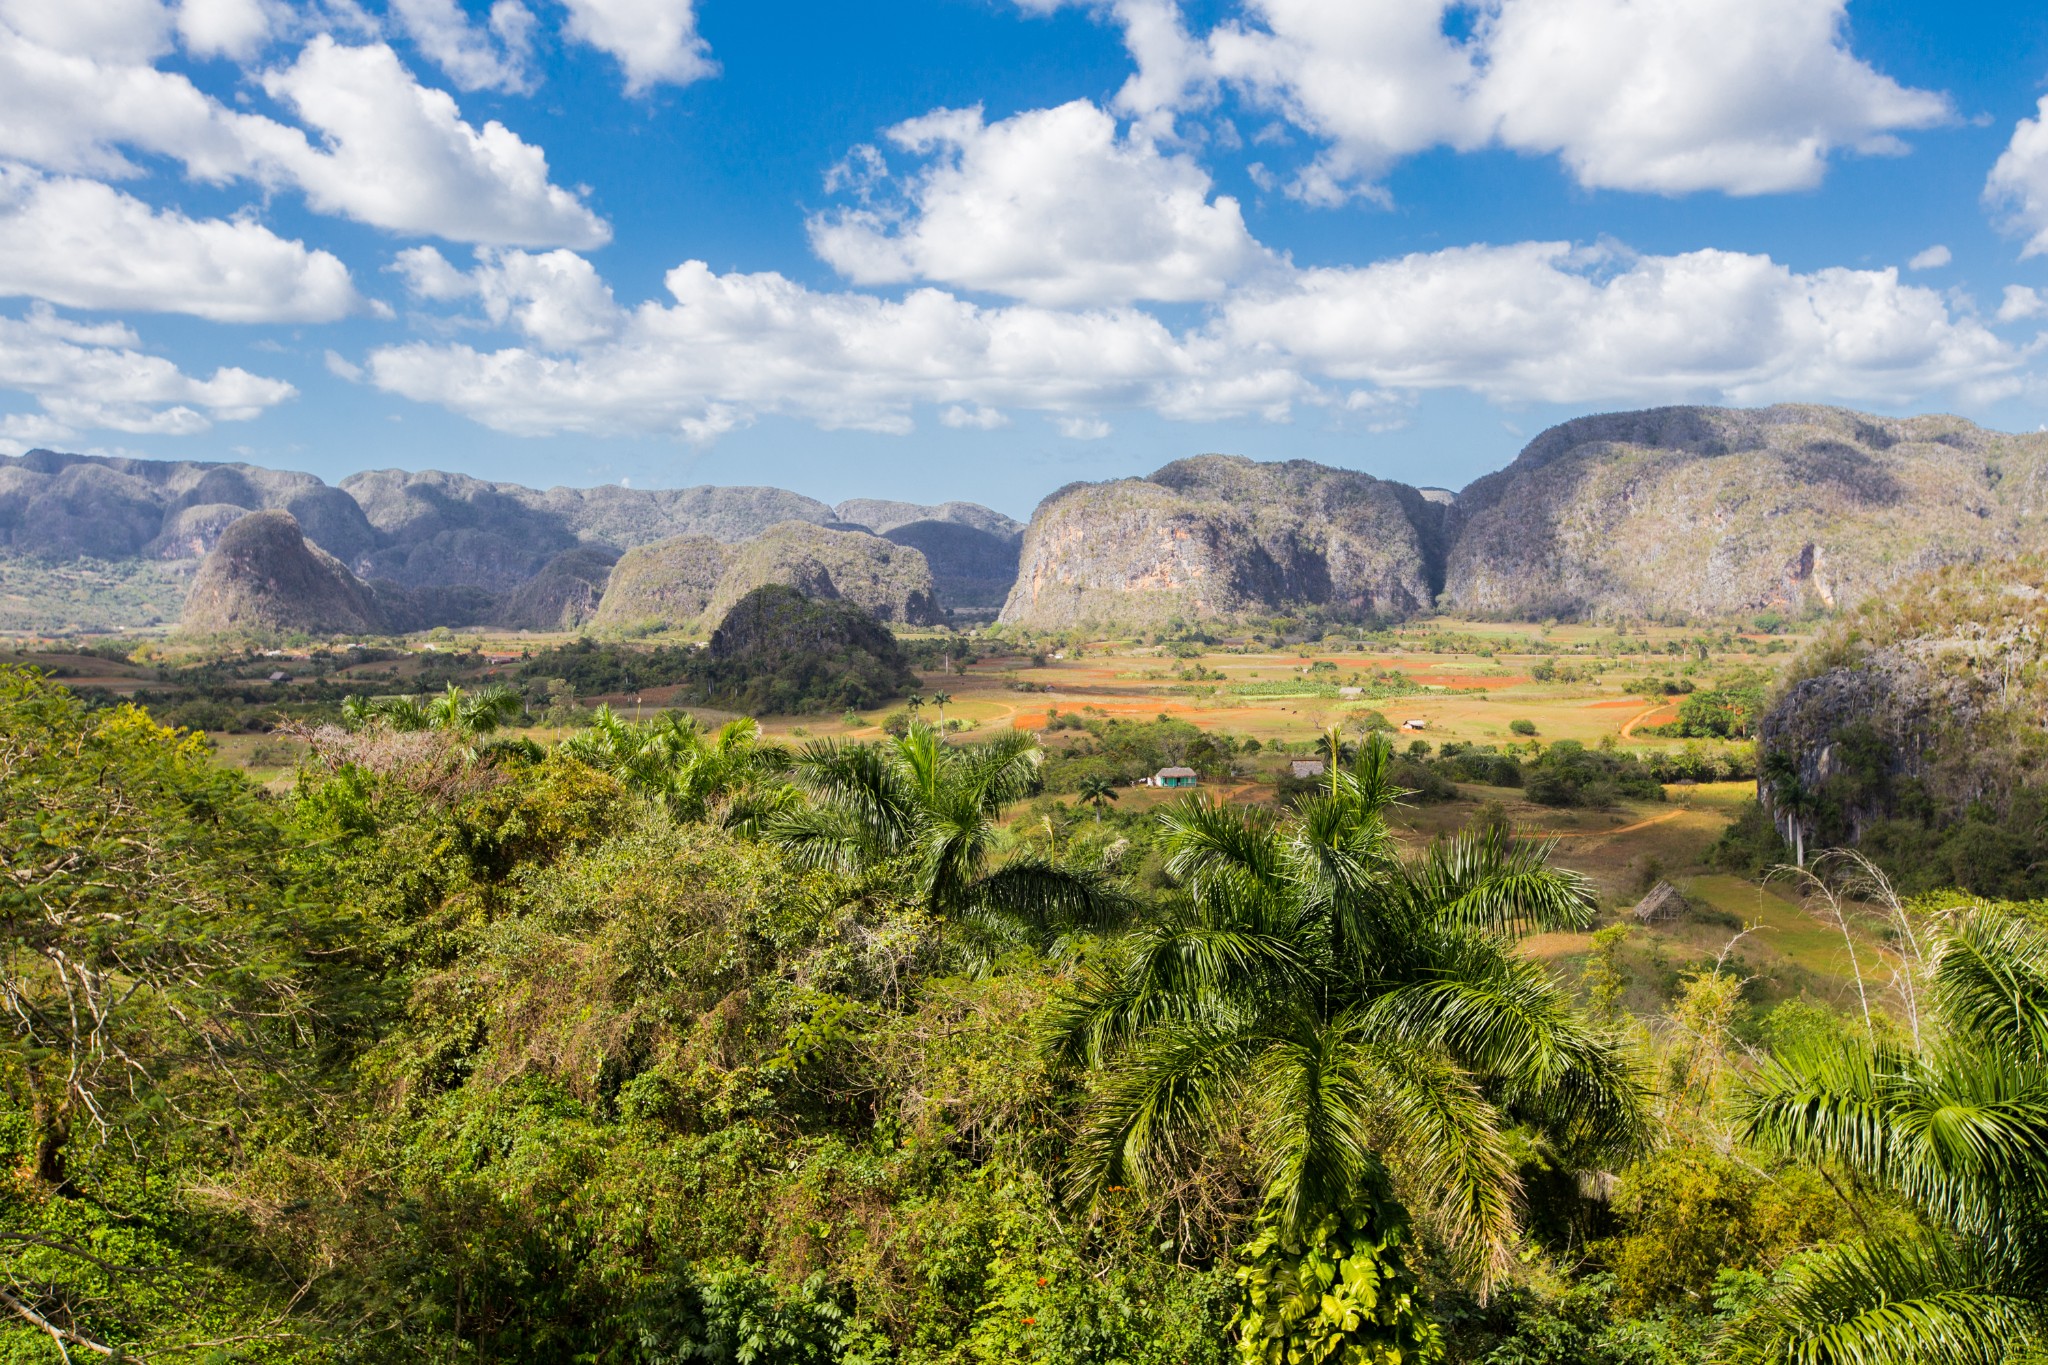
(1931, 696)
(451, 528)
(562, 596)
(972, 550)
(1223, 536)
(1714, 512)
(64, 507)
(694, 580)
(264, 577)
(663, 585)
(892, 582)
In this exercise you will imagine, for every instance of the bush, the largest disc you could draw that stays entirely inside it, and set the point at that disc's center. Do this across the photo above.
(1522, 727)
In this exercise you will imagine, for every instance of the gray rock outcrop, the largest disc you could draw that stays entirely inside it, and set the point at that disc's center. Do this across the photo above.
(1221, 536)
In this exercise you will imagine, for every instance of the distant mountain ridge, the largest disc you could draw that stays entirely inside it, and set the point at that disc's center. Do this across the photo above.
(510, 555)
(1681, 513)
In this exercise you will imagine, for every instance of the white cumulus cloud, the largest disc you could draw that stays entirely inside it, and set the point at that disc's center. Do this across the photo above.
(962, 418)
(476, 57)
(398, 155)
(654, 41)
(97, 378)
(1082, 428)
(110, 30)
(387, 150)
(1739, 96)
(1549, 322)
(1052, 206)
(1539, 321)
(226, 28)
(1933, 258)
(730, 347)
(82, 244)
(555, 298)
(2021, 302)
(2018, 188)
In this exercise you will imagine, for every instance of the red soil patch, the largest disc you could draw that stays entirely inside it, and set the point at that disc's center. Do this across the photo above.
(1602, 705)
(1485, 684)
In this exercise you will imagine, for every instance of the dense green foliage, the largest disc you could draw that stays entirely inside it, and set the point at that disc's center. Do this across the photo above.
(664, 1045)
(777, 651)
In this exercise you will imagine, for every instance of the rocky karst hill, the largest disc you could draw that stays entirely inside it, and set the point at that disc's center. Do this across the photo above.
(1673, 513)
(891, 582)
(779, 651)
(972, 550)
(1705, 513)
(1222, 536)
(62, 507)
(265, 577)
(450, 528)
(693, 580)
(1919, 714)
(666, 584)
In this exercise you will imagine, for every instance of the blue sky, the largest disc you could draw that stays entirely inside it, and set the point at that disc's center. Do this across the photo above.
(981, 248)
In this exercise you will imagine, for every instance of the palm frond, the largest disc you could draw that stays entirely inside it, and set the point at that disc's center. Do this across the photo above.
(1887, 1303)
(1208, 842)
(1370, 784)
(1316, 1100)
(1483, 879)
(1991, 982)
(1505, 1019)
(1183, 969)
(818, 838)
(864, 783)
(1961, 1132)
(1045, 898)
(999, 771)
(1444, 1141)
(1167, 1100)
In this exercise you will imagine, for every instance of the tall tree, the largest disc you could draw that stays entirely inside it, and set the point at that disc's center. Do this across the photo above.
(928, 810)
(1097, 791)
(1365, 1015)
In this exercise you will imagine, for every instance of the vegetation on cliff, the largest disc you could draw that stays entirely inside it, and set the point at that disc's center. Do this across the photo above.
(779, 652)
(1913, 729)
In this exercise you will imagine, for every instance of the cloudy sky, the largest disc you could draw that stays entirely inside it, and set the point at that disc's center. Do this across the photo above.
(981, 248)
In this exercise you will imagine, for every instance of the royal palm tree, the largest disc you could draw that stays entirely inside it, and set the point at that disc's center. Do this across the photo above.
(1097, 791)
(1365, 1014)
(472, 715)
(1958, 1128)
(466, 715)
(926, 812)
(674, 760)
(939, 699)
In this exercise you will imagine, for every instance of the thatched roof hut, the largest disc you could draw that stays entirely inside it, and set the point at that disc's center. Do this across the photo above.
(1664, 904)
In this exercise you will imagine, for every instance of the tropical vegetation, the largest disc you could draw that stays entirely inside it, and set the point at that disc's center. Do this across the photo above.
(659, 1043)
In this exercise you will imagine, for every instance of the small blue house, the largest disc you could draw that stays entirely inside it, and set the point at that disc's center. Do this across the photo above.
(1174, 777)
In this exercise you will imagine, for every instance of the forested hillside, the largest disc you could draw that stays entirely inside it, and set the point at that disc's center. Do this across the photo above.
(662, 1045)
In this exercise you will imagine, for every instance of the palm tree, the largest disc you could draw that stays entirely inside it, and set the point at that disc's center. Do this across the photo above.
(1793, 799)
(915, 808)
(471, 715)
(939, 699)
(672, 759)
(466, 715)
(1958, 1129)
(1096, 790)
(1366, 1014)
